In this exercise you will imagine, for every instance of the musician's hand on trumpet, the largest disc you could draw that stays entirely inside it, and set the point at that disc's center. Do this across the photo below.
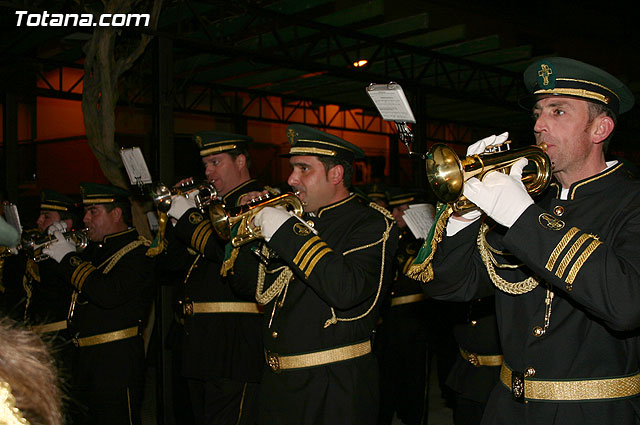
(459, 221)
(180, 204)
(59, 226)
(502, 197)
(61, 247)
(269, 220)
(252, 196)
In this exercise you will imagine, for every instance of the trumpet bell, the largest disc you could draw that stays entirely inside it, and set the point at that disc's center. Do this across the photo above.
(447, 173)
(162, 195)
(220, 220)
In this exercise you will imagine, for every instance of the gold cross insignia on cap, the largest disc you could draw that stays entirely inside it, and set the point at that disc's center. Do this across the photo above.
(198, 140)
(291, 135)
(545, 71)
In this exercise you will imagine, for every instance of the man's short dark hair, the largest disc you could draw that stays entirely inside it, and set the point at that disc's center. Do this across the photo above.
(124, 206)
(233, 153)
(329, 162)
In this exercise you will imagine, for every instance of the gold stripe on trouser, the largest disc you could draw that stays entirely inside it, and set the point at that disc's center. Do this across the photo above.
(481, 360)
(226, 307)
(407, 299)
(106, 337)
(578, 389)
(50, 327)
(318, 358)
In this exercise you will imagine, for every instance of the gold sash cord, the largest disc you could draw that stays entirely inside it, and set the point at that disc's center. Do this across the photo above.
(407, 299)
(50, 327)
(224, 307)
(106, 337)
(481, 360)
(278, 363)
(574, 390)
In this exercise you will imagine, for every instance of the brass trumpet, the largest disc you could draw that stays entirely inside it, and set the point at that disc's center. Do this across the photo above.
(447, 173)
(162, 195)
(223, 219)
(34, 246)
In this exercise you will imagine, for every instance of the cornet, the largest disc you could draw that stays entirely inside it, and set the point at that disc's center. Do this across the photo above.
(447, 173)
(34, 247)
(162, 195)
(223, 219)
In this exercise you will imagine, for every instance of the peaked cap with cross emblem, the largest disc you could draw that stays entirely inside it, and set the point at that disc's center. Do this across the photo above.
(310, 141)
(558, 76)
(215, 142)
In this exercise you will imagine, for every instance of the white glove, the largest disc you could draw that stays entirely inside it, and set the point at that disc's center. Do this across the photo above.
(481, 145)
(269, 219)
(502, 197)
(180, 204)
(457, 224)
(60, 226)
(61, 247)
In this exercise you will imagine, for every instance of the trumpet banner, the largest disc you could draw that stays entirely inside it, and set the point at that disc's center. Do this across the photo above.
(421, 269)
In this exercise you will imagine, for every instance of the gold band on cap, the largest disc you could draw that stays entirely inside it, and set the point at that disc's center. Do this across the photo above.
(312, 151)
(53, 207)
(576, 92)
(218, 149)
(590, 82)
(322, 142)
(98, 201)
(394, 202)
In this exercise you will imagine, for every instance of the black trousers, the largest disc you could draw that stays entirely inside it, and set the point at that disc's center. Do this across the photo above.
(108, 407)
(223, 402)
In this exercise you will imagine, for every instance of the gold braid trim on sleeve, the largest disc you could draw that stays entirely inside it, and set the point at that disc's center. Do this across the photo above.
(514, 288)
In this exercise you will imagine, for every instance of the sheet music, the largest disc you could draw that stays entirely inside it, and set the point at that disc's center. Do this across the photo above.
(419, 219)
(391, 102)
(12, 217)
(136, 166)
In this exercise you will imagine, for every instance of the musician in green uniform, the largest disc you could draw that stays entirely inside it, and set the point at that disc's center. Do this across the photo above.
(565, 268)
(321, 284)
(113, 289)
(220, 340)
(47, 295)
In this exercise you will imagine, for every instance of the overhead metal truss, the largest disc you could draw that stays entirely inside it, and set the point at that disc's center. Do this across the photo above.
(231, 103)
(260, 35)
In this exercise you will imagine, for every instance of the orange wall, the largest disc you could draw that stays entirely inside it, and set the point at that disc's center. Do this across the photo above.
(61, 158)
